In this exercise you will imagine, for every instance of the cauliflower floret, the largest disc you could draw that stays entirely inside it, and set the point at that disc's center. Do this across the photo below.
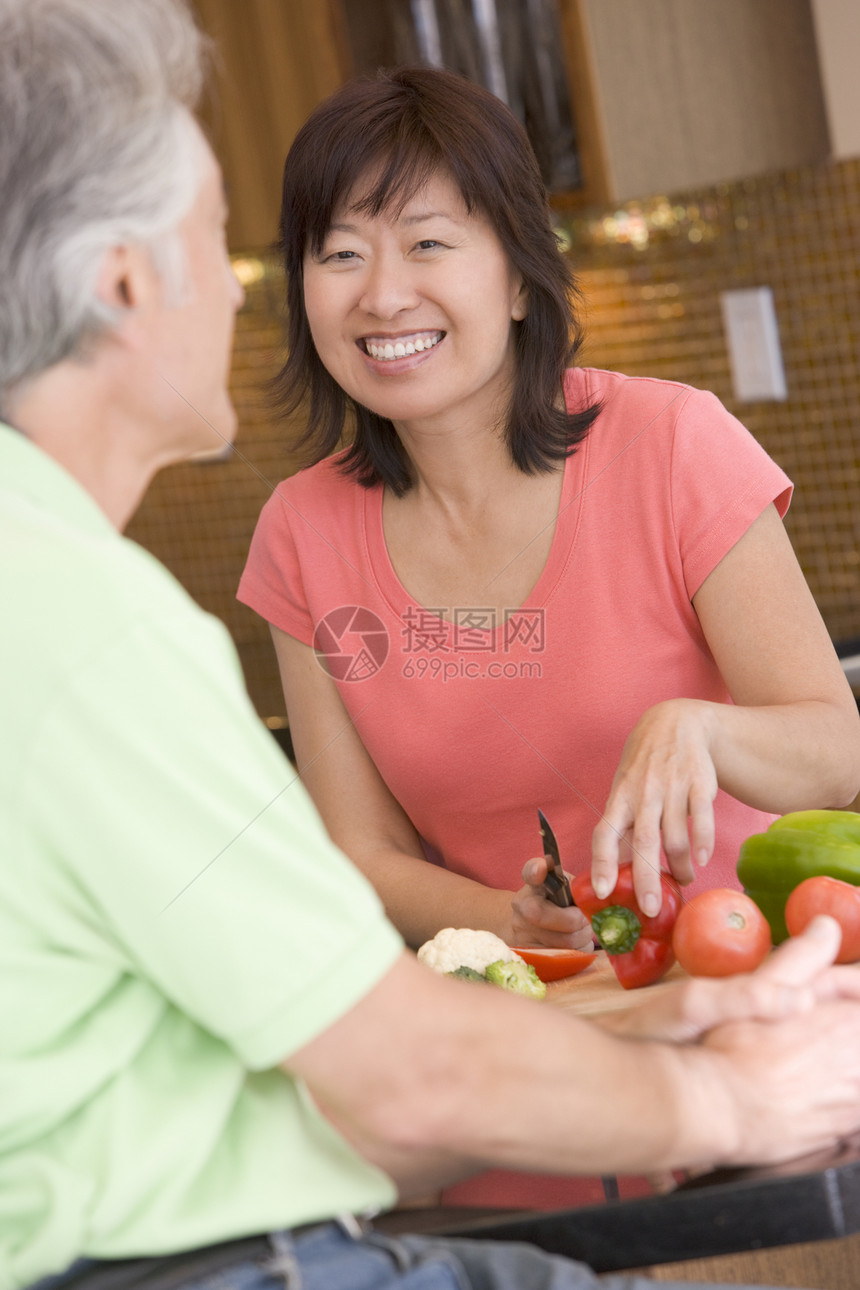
(455, 947)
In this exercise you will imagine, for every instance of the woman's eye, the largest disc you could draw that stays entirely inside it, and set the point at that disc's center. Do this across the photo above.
(428, 244)
(337, 257)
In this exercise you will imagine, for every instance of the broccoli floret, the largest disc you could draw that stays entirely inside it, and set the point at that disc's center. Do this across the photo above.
(519, 977)
(468, 974)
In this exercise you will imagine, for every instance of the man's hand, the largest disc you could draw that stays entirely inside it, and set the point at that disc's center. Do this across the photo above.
(794, 1083)
(795, 979)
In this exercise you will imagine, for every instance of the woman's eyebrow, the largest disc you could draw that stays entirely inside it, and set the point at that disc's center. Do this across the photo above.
(421, 216)
(341, 226)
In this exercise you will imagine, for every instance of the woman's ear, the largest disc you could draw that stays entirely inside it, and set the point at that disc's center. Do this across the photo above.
(521, 303)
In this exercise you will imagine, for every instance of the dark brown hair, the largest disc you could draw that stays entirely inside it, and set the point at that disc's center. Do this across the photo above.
(402, 126)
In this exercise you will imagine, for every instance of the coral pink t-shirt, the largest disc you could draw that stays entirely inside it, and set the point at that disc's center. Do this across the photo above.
(474, 724)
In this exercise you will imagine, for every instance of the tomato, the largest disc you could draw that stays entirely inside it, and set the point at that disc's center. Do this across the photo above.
(720, 932)
(552, 965)
(823, 895)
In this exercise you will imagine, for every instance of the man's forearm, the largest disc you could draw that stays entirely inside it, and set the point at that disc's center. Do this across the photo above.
(461, 1081)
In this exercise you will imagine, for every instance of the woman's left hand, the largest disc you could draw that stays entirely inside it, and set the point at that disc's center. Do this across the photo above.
(662, 796)
(535, 920)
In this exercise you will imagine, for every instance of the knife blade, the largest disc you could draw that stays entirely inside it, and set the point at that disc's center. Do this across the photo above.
(556, 884)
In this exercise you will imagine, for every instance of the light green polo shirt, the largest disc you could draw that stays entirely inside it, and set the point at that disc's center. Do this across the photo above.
(173, 919)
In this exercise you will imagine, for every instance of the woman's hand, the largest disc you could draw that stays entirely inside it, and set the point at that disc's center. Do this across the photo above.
(662, 796)
(535, 920)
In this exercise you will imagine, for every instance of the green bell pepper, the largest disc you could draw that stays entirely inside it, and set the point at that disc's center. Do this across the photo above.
(799, 845)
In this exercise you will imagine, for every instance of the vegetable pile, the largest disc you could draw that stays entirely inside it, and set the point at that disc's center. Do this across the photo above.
(480, 956)
(804, 864)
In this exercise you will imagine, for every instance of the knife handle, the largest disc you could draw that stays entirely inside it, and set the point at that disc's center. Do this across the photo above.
(558, 890)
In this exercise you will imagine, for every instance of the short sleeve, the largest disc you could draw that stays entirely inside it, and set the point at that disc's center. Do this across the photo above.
(721, 481)
(206, 859)
(271, 583)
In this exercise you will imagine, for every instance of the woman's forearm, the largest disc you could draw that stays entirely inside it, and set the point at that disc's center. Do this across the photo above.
(420, 897)
(794, 737)
(786, 757)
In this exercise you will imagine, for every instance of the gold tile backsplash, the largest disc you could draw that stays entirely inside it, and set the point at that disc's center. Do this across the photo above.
(651, 274)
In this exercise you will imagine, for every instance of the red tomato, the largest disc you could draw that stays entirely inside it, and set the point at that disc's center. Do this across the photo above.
(822, 895)
(720, 932)
(552, 965)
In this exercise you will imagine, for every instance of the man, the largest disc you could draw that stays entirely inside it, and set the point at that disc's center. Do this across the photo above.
(208, 1030)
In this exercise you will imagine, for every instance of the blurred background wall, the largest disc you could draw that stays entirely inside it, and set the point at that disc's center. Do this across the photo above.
(717, 148)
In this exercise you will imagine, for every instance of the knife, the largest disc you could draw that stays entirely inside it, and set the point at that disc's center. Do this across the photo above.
(556, 884)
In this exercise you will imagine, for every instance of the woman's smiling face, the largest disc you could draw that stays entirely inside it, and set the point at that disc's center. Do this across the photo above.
(412, 311)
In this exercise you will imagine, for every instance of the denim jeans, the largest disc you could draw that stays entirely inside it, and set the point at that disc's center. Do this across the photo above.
(344, 1255)
(337, 1256)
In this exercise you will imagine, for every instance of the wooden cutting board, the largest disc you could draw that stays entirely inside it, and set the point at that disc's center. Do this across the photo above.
(597, 989)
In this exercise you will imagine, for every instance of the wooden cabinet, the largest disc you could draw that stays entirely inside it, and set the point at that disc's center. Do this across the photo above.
(837, 30)
(685, 93)
(666, 94)
(274, 60)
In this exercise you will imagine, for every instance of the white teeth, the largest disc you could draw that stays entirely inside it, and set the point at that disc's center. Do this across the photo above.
(386, 350)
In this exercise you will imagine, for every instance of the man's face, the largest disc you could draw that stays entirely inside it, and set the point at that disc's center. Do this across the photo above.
(195, 334)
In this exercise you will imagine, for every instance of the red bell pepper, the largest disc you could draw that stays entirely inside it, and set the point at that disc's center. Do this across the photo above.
(639, 947)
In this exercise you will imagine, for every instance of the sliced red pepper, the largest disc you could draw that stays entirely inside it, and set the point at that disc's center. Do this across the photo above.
(639, 947)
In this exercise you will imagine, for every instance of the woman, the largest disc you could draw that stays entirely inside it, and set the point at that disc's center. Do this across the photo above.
(533, 585)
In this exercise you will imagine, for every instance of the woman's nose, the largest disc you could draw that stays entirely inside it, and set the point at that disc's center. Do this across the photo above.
(388, 289)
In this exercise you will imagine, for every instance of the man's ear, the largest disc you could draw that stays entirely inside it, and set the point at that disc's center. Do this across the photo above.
(127, 279)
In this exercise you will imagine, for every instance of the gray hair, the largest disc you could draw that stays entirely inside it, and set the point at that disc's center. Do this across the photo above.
(97, 148)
